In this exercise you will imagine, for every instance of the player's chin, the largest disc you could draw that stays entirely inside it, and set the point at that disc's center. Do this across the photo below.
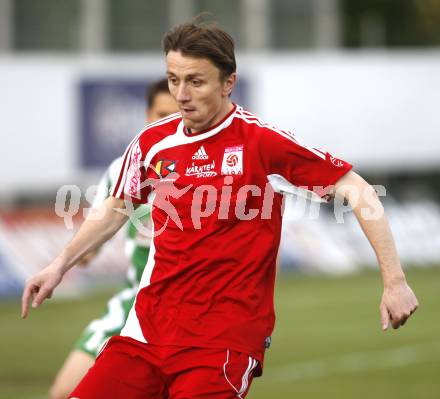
(190, 123)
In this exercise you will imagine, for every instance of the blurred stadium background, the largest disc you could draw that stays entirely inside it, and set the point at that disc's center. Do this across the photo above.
(359, 78)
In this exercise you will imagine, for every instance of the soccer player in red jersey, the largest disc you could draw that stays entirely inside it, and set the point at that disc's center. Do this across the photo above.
(215, 174)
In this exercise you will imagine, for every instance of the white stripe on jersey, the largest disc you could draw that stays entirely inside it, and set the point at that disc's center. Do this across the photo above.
(132, 326)
(279, 183)
(159, 122)
(250, 118)
(180, 138)
(130, 148)
(286, 134)
(319, 150)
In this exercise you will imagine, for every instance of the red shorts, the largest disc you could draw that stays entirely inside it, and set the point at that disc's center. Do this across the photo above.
(130, 369)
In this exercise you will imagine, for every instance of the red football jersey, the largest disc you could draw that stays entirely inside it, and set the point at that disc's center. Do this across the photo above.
(217, 196)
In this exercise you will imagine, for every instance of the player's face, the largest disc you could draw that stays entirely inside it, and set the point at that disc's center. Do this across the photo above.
(201, 94)
(163, 105)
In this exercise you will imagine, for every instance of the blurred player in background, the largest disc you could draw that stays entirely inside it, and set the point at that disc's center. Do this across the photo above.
(160, 104)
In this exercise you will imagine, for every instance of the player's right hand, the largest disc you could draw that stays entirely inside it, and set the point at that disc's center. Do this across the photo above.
(40, 287)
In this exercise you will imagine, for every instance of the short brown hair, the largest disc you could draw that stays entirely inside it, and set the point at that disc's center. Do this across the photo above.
(201, 39)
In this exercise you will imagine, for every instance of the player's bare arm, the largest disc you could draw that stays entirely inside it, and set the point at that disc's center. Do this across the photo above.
(398, 300)
(101, 224)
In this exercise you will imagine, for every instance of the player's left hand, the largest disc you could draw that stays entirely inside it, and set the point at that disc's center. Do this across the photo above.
(398, 304)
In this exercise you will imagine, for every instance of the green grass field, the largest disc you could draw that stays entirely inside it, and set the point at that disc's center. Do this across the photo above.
(327, 342)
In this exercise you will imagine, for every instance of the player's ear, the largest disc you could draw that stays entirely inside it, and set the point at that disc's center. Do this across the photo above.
(228, 84)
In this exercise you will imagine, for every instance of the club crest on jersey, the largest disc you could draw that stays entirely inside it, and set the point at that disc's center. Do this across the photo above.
(164, 167)
(232, 163)
(200, 154)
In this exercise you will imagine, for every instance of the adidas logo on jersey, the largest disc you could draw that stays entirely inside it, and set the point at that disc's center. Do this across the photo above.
(200, 154)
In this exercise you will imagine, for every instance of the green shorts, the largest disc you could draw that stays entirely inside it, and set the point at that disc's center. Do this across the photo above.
(111, 323)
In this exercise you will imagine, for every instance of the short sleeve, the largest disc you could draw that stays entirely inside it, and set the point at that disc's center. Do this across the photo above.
(130, 183)
(291, 163)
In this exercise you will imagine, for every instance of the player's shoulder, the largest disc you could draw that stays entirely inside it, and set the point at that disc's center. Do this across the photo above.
(260, 127)
(163, 126)
(156, 131)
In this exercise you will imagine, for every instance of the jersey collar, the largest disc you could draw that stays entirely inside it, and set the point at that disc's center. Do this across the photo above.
(224, 123)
